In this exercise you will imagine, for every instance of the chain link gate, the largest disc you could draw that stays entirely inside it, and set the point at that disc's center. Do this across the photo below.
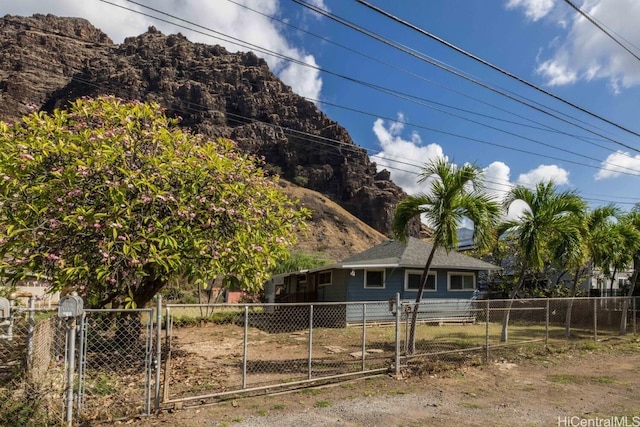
(115, 364)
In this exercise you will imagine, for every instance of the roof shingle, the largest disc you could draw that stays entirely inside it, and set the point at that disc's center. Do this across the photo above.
(414, 254)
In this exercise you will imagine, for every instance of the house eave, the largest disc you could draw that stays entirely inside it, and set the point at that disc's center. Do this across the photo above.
(363, 266)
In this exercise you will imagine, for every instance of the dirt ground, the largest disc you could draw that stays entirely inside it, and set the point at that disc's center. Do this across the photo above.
(588, 383)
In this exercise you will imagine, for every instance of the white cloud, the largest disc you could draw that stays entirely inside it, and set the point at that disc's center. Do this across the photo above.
(497, 179)
(223, 17)
(544, 173)
(585, 52)
(305, 81)
(556, 73)
(403, 157)
(534, 9)
(320, 4)
(618, 163)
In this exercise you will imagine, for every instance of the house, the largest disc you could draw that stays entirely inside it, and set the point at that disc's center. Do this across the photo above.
(598, 283)
(38, 288)
(381, 272)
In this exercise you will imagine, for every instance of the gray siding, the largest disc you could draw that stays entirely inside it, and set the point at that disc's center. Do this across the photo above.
(394, 283)
(336, 291)
(435, 310)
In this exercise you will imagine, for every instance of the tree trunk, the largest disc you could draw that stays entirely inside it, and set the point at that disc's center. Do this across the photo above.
(149, 287)
(505, 316)
(625, 303)
(609, 300)
(574, 291)
(411, 348)
(129, 326)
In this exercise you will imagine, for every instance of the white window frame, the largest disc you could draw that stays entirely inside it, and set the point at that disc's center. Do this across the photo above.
(419, 272)
(330, 278)
(384, 278)
(461, 273)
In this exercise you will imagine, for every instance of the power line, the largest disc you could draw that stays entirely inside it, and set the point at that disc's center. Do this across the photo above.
(478, 140)
(418, 55)
(382, 89)
(332, 143)
(304, 136)
(541, 126)
(495, 67)
(327, 141)
(601, 28)
(545, 128)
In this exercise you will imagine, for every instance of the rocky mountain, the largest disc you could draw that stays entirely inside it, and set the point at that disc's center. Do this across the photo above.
(49, 61)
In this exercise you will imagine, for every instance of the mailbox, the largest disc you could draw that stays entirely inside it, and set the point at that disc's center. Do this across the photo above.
(392, 306)
(5, 308)
(70, 306)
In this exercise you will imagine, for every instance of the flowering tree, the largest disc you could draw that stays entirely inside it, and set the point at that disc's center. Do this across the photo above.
(111, 199)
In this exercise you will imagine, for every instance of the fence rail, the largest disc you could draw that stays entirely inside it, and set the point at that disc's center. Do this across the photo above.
(132, 362)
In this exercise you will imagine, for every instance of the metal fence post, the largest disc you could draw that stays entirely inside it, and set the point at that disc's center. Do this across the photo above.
(30, 332)
(398, 314)
(546, 324)
(364, 333)
(595, 319)
(158, 363)
(633, 313)
(71, 363)
(309, 363)
(245, 346)
(167, 363)
(486, 332)
(82, 351)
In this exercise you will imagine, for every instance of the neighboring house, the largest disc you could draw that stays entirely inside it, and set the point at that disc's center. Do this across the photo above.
(383, 271)
(38, 289)
(598, 284)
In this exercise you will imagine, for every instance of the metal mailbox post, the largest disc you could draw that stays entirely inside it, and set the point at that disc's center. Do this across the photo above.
(70, 308)
(5, 308)
(6, 319)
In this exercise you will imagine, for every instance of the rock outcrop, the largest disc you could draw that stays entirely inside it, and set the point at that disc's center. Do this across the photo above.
(49, 61)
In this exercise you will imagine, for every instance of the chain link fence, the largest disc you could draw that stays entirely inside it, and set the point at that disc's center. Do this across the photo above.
(454, 332)
(115, 356)
(109, 376)
(257, 347)
(32, 349)
(130, 362)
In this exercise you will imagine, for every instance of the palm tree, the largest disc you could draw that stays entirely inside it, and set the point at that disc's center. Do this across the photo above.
(550, 216)
(455, 193)
(629, 229)
(598, 236)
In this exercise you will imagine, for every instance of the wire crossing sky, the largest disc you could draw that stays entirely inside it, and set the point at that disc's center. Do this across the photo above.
(407, 93)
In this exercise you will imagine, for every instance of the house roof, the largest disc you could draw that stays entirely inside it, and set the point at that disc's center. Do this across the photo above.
(413, 254)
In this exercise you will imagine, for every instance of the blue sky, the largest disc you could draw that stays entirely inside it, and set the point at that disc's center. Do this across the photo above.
(416, 110)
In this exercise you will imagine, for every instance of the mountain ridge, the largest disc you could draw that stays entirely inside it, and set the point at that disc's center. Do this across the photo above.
(49, 61)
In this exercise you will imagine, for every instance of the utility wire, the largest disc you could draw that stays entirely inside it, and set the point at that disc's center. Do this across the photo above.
(521, 100)
(328, 145)
(392, 92)
(601, 28)
(478, 140)
(494, 67)
(633, 172)
(319, 140)
(541, 126)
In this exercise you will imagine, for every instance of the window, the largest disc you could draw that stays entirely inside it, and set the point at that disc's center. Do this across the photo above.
(462, 281)
(324, 278)
(374, 279)
(412, 280)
